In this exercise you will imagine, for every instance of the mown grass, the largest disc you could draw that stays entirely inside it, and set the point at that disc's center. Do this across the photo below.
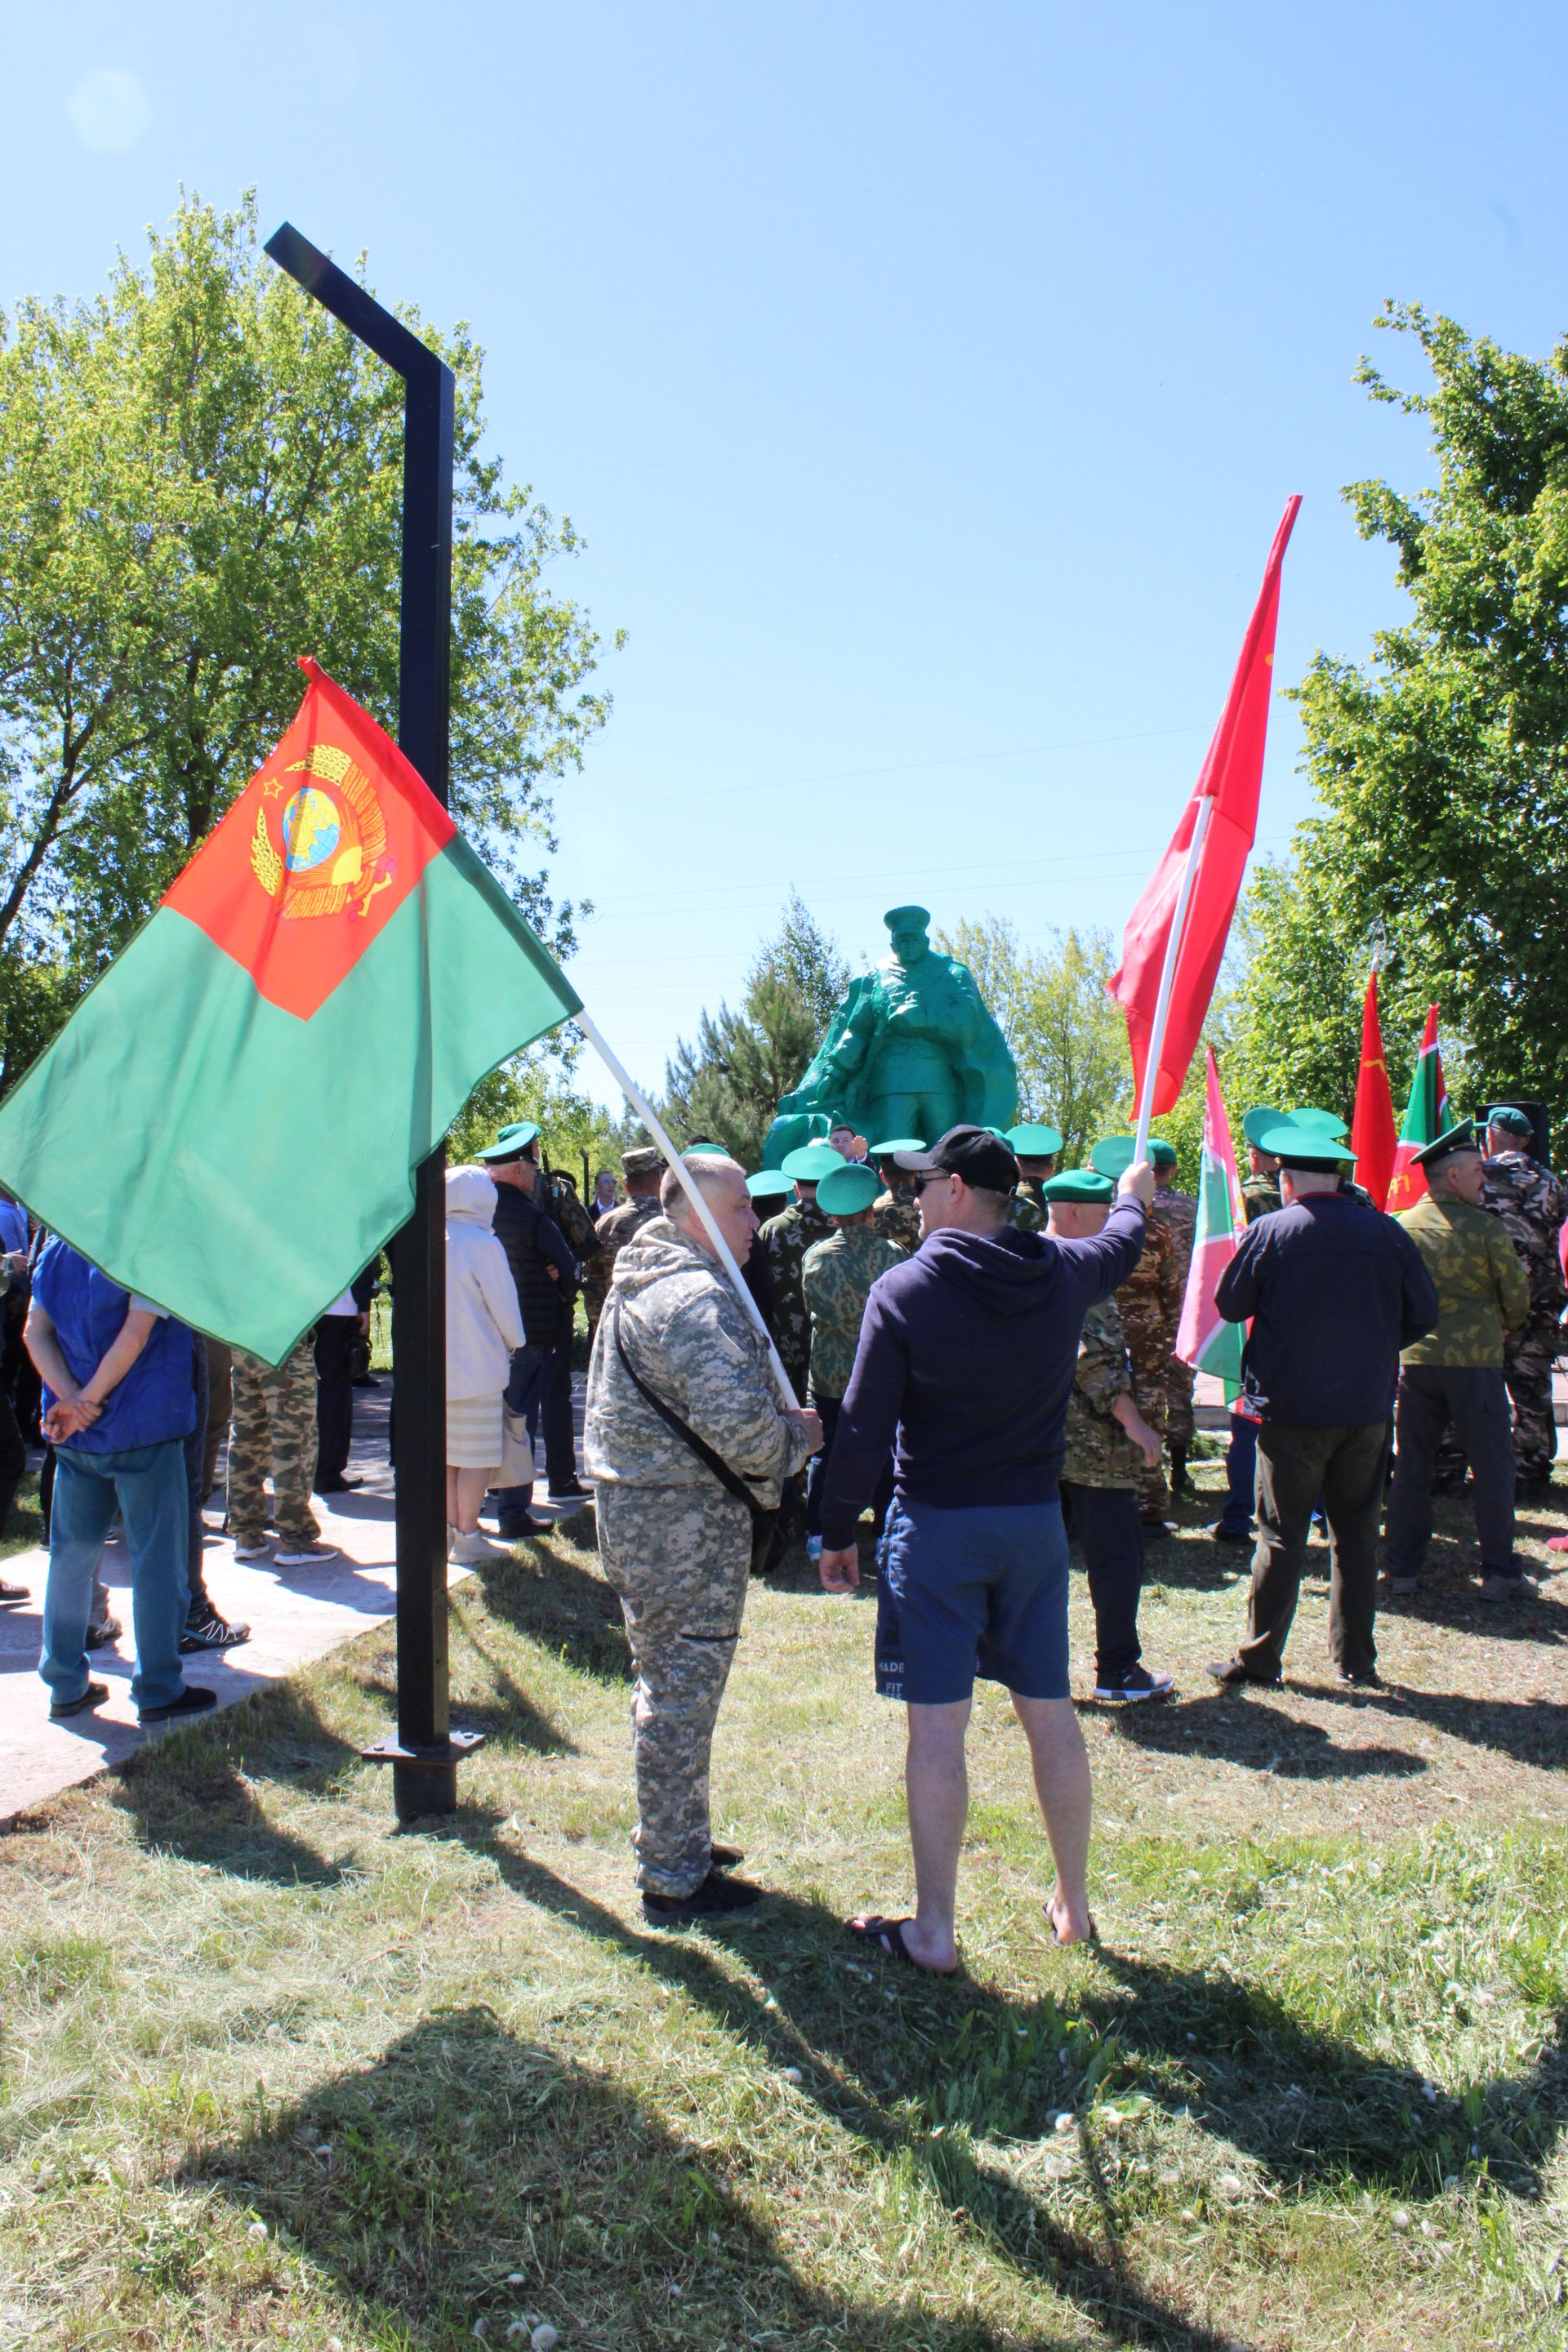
(277, 2074)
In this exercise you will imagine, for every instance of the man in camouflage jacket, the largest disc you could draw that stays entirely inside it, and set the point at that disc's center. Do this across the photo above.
(896, 1212)
(1179, 1213)
(1149, 1304)
(786, 1238)
(1455, 1373)
(675, 1542)
(836, 1275)
(1034, 1147)
(1529, 1199)
(642, 1170)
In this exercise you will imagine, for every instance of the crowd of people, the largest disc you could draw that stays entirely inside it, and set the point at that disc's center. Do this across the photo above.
(979, 1349)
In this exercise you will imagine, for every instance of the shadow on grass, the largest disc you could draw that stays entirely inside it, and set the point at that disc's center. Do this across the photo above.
(193, 1792)
(1531, 1730)
(468, 2176)
(549, 1596)
(1261, 1737)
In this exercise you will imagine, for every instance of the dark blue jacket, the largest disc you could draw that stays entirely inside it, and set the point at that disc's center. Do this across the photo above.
(156, 1401)
(967, 1352)
(1334, 1289)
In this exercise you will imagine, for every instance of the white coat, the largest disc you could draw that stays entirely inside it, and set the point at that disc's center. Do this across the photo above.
(483, 1324)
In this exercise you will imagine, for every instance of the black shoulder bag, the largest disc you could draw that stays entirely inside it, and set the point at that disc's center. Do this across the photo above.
(762, 1518)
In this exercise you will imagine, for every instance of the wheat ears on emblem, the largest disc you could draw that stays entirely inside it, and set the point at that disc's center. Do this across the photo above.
(355, 841)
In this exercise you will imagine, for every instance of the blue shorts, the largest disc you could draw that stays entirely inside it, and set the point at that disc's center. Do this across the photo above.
(967, 1592)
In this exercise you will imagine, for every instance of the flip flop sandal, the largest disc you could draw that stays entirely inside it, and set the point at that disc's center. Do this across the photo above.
(887, 1935)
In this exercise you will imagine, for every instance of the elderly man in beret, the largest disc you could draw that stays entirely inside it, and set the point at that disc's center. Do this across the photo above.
(1034, 1145)
(836, 1275)
(640, 1170)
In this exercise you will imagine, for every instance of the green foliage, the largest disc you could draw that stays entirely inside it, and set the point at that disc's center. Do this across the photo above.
(538, 1086)
(1441, 766)
(728, 1084)
(200, 479)
(1066, 1036)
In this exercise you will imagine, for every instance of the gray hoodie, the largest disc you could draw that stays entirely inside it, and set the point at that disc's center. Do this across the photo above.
(694, 1344)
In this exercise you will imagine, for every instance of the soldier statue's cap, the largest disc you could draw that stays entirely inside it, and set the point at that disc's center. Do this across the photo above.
(1462, 1137)
(907, 919)
(1303, 1147)
(1321, 1122)
(1516, 1122)
(1033, 1142)
(511, 1141)
(1084, 1185)
(768, 1184)
(897, 1143)
(849, 1189)
(973, 1152)
(705, 1148)
(1161, 1153)
(1253, 1123)
(812, 1162)
(644, 1161)
(1112, 1155)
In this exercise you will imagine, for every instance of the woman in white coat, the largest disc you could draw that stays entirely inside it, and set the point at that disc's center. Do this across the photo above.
(483, 1327)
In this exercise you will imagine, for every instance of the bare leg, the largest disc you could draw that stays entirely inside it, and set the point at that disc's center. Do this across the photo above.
(470, 1486)
(937, 1783)
(451, 1496)
(1062, 1784)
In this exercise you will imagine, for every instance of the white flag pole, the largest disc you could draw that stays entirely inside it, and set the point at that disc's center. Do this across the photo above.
(683, 1174)
(1168, 973)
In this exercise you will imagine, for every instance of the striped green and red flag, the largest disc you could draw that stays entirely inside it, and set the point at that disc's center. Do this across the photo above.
(1204, 1339)
(230, 1121)
(1426, 1117)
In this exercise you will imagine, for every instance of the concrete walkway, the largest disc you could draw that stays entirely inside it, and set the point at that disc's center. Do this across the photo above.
(295, 1615)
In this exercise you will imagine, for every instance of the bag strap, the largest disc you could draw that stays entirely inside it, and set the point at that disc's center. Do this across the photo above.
(728, 1479)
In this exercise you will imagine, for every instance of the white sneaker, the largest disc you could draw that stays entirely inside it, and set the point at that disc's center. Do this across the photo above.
(468, 1550)
(303, 1555)
(252, 1552)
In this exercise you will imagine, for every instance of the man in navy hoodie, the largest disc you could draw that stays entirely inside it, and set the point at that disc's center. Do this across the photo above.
(967, 1354)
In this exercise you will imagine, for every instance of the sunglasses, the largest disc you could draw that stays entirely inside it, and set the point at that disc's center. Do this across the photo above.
(936, 1176)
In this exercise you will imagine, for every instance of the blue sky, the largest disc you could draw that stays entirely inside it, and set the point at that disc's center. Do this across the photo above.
(927, 383)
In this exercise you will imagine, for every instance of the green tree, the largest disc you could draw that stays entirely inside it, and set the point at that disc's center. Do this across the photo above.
(199, 479)
(1440, 766)
(539, 1085)
(727, 1084)
(1067, 1039)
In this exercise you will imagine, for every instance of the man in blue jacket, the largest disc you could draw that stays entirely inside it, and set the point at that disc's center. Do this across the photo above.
(967, 1354)
(119, 1403)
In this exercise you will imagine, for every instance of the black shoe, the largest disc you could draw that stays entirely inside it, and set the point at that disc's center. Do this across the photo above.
(1370, 1680)
(1239, 1535)
(191, 1701)
(336, 1485)
(205, 1629)
(571, 1490)
(514, 1530)
(1232, 1670)
(1156, 1523)
(365, 1381)
(725, 1857)
(715, 1895)
(104, 1636)
(13, 1595)
(1533, 1490)
(93, 1696)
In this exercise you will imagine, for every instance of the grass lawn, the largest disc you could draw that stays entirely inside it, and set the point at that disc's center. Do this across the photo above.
(274, 2073)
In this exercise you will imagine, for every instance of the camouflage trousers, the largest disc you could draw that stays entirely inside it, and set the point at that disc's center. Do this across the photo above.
(1527, 1358)
(274, 1427)
(1152, 1399)
(679, 1557)
(1180, 1427)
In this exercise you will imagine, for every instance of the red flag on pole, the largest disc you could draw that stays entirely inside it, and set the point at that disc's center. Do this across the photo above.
(1372, 1129)
(1164, 983)
(1426, 1117)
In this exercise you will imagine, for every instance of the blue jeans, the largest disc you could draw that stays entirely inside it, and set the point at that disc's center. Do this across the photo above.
(1240, 1476)
(148, 1486)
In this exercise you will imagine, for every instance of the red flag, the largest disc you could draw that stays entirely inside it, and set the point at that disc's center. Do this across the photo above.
(1427, 1118)
(1372, 1129)
(1231, 776)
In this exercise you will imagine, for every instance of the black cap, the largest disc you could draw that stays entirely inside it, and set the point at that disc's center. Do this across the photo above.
(974, 1153)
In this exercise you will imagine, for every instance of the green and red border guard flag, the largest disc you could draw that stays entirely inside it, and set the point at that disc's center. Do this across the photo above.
(230, 1121)
(1204, 1339)
(1231, 776)
(1372, 1126)
(1426, 1117)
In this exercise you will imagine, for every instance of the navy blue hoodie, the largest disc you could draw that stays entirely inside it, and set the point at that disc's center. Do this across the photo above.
(967, 1351)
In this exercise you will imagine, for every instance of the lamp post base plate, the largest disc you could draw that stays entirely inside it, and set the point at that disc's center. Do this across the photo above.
(424, 1779)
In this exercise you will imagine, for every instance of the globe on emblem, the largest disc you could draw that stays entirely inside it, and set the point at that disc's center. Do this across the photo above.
(311, 829)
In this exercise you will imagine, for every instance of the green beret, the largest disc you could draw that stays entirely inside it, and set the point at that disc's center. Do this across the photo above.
(511, 1141)
(706, 1151)
(1462, 1137)
(1253, 1123)
(1161, 1153)
(1303, 1147)
(1083, 1184)
(849, 1189)
(1321, 1122)
(1112, 1156)
(1516, 1122)
(812, 1162)
(768, 1184)
(898, 1143)
(1033, 1142)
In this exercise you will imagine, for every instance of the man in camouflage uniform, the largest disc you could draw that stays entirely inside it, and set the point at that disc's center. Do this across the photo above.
(1109, 1447)
(1261, 1186)
(1179, 1213)
(896, 1212)
(836, 1275)
(1455, 1373)
(675, 1542)
(274, 1427)
(1149, 1304)
(1529, 1199)
(1035, 1148)
(642, 1170)
(786, 1238)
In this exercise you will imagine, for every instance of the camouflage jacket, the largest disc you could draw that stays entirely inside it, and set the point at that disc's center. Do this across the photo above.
(615, 1229)
(696, 1346)
(1529, 1200)
(1149, 1304)
(1099, 1452)
(896, 1215)
(1030, 1210)
(786, 1238)
(1179, 1211)
(1481, 1288)
(1260, 1195)
(836, 1275)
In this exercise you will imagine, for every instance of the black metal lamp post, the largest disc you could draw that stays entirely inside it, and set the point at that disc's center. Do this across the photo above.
(424, 1756)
